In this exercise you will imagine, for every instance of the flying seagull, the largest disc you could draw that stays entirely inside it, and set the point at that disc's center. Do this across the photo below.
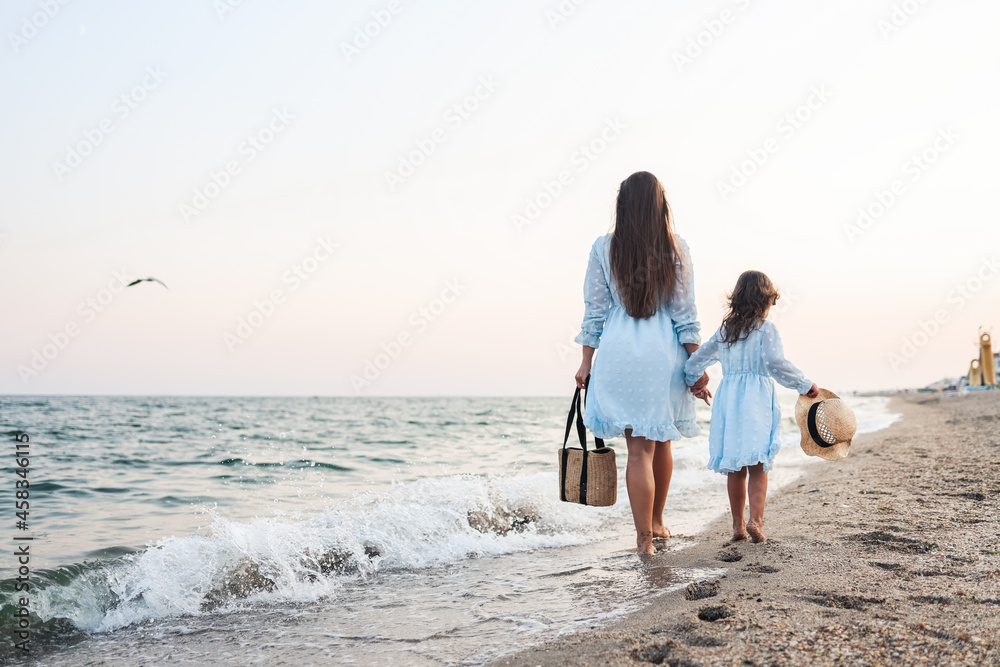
(142, 280)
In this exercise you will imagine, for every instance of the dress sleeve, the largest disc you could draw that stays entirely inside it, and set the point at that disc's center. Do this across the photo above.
(703, 357)
(681, 307)
(780, 368)
(597, 302)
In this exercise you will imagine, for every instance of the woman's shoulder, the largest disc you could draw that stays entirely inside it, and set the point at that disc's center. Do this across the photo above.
(601, 244)
(604, 241)
(682, 246)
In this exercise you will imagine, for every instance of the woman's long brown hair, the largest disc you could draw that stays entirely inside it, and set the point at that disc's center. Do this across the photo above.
(748, 303)
(643, 250)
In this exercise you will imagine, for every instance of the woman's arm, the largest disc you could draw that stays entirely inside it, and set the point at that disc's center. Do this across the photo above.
(588, 359)
(597, 304)
(681, 308)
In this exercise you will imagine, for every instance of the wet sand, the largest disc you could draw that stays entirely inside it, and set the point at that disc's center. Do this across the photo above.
(891, 556)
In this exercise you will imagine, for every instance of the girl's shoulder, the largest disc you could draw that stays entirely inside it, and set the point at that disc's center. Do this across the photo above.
(767, 326)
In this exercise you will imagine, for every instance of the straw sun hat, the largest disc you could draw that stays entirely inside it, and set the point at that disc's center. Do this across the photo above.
(827, 423)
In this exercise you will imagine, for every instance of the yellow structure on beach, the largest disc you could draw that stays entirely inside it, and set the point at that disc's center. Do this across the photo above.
(975, 377)
(987, 367)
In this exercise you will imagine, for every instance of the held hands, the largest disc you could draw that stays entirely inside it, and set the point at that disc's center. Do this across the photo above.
(700, 389)
(813, 391)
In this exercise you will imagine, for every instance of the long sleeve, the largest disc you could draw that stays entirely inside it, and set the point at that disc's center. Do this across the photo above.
(780, 368)
(703, 357)
(597, 302)
(681, 307)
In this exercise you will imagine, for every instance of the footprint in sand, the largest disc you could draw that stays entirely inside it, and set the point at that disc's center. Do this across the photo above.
(715, 613)
(700, 590)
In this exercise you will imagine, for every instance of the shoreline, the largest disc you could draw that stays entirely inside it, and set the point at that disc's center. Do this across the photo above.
(860, 564)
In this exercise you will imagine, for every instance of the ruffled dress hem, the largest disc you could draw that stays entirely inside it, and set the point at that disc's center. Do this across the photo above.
(686, 428)
(727, 464)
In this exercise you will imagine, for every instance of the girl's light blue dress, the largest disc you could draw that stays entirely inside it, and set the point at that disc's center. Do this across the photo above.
(746, 417)
(637, 379)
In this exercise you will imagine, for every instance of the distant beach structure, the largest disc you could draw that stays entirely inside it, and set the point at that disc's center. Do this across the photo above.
(987, 362)
(975, 376)
(983, 370)
(982, 373)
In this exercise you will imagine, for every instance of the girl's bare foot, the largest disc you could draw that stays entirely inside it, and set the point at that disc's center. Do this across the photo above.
(644, 543)
(661, 532)
(739, 534)
(756, 531)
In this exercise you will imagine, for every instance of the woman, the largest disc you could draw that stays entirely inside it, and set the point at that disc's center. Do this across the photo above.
(639, 296)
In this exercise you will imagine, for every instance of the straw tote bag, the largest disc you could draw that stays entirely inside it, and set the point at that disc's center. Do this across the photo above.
(587, 477)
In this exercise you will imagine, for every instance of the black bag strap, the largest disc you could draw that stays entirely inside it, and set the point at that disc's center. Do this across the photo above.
(586, 385)
(576, 411)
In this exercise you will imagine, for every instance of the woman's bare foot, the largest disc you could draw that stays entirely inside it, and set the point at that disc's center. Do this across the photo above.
(739, 533)
(660, 532)
(644, 543)
(756, 531)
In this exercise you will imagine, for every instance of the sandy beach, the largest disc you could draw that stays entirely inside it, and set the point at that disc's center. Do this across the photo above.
(891, 556)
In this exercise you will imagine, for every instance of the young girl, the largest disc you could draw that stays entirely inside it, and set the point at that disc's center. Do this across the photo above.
(746, 417)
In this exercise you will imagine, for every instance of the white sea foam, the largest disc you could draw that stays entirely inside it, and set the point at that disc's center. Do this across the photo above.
(429, 522)
(426, 523)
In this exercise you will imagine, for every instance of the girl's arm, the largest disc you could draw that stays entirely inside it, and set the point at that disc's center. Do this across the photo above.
(703, 357)
(780, 368)
(597, 302)
(699, 387)
(681, 308)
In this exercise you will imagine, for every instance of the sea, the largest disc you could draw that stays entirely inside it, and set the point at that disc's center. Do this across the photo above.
(368, 531)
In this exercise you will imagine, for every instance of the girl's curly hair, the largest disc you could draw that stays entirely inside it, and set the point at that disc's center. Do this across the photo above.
(748, 303)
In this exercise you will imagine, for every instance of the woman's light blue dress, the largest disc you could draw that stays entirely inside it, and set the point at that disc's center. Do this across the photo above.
(637, 379)
(746, 418)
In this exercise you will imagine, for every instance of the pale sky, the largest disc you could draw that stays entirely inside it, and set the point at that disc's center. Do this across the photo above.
(121, 119)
